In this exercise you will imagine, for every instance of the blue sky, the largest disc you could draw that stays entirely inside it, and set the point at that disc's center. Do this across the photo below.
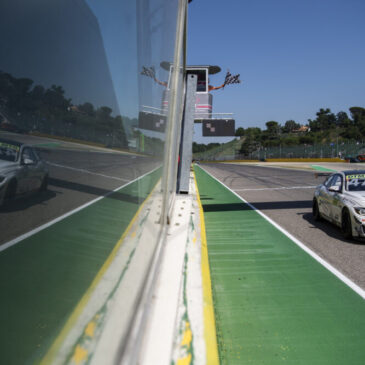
(294, 57)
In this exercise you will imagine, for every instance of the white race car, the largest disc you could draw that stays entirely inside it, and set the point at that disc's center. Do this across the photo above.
(21, 170)
(341, 200)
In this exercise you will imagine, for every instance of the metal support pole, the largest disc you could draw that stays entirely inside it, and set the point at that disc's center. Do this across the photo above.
(186, 149)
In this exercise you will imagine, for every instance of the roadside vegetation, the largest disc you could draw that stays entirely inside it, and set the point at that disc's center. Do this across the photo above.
(25, 107)
(325, 128)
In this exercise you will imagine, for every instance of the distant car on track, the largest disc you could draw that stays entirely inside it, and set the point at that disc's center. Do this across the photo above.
(21, 170)
(351, 159)
(341, 200)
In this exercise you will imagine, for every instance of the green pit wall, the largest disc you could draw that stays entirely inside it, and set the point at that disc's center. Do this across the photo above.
(274, 304)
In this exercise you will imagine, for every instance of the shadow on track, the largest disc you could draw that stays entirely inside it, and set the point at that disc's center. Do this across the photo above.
(93, 190)
(23, 202)
(262, 206)
(330, 229)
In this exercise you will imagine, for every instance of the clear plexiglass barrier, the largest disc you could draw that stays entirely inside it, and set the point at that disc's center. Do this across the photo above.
(89, 129)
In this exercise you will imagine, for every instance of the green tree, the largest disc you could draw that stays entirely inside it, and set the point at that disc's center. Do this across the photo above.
(351, 133)
(324, 121)
(251, 142)
(240, 132)
(291, 140)
(290, 125)
(273, 128)
(358, 114)
(104, 113)
(87, 108)
(120, 131)
(343, 120)
(54, 98)
(249, 146)
(271, 133)
(307, 139)
(198, 147)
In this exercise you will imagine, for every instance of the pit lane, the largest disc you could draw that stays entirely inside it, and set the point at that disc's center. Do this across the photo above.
(77, 175)
(285, 195)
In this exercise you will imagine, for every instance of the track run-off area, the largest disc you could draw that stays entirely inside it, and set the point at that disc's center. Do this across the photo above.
(286, 289)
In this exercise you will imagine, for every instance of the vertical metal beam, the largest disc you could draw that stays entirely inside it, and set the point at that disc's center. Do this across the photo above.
(169, 177)
(186, 153)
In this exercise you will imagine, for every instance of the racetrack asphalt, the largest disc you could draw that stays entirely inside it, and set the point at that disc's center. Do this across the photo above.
(77, 175)
(285, 195)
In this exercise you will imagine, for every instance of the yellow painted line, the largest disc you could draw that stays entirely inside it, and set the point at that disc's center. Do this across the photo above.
(85, 143)
(80, 355)
(186, 344)
(185, 360)
(336, 159)
(90, 328)
(188, 336)
(55, 347)
(210, 333)
(223, 161)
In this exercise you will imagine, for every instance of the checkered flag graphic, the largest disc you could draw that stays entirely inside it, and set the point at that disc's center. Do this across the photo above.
(232, 79)
(160, 123)
(149, 72)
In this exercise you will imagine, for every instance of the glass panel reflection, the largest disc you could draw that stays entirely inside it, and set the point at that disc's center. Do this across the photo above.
(75, 161)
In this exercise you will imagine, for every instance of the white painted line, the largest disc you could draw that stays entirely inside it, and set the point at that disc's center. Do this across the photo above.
(85, 171)
(13, 242)
(281, 188)
(328, 266)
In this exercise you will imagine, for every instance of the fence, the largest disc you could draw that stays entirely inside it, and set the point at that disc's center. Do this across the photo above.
(230, 151)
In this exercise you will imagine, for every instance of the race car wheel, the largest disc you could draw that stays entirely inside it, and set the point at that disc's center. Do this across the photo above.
(346, 224)
(44, 184)
(315, 211)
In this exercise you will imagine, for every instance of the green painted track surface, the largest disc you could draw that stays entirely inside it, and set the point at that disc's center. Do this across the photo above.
(274, 304)
(321, 168)
(42, 278)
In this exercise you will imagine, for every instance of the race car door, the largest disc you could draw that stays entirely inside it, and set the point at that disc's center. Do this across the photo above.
(334, 200)
(324, 198)
(30, 178)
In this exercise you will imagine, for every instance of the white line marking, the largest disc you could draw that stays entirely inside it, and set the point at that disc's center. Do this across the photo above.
(328, 266)
(86, 171)
(281, 188)
(14, 241)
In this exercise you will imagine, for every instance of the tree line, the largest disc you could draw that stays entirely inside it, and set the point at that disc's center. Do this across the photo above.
(326, 127)
(36, 108)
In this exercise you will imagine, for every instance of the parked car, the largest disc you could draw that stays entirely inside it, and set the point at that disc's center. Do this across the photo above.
(351, 159)
(341, 200)
(9, 127)
(21, 170)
